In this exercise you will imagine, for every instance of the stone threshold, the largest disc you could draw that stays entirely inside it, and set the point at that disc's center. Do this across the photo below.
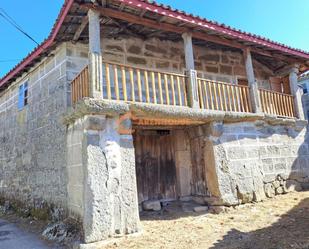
(112, 108)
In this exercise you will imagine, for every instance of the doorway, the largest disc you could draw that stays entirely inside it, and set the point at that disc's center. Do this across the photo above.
(155, 165)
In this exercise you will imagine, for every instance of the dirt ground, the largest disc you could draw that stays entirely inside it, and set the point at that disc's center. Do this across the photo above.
(278, 223)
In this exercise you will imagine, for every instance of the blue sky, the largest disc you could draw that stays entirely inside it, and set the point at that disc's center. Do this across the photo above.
(285, 21)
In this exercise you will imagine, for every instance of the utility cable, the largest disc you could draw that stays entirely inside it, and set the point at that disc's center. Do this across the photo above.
(15, 25)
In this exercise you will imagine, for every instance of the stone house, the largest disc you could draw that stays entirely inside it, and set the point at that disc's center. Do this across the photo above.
(128, 101)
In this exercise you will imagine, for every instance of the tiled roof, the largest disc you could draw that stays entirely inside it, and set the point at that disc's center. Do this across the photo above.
(220, 28)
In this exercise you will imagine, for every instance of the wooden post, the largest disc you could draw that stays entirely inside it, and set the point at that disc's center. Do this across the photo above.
(254, 90)
(296, 91)
(190, 72)
(95, 56)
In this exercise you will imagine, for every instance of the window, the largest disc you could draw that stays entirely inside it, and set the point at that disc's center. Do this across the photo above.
(23, 96)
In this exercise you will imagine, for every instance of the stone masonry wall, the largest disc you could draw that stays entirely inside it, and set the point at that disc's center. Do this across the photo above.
(33, 140)
(226, 66)
(212, 64)
(255, 160)
(102, 183)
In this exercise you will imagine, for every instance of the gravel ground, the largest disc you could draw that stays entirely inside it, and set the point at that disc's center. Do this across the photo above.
(278, 223)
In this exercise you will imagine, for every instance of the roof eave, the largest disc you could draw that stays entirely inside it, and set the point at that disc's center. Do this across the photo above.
(42, 47)
(182, 16)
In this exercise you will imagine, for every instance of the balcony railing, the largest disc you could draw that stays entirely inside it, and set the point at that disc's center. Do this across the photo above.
(80, 86)
(223, 97)
(128, 83)
(134, 84)
(276, 103)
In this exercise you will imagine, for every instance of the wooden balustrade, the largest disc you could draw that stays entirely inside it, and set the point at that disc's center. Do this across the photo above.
(223, 97)
(128, 83)
(80, 86)
(133, 84)
(276, 103)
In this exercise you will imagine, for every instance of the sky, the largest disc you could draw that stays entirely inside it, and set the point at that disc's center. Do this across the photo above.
(285, 21)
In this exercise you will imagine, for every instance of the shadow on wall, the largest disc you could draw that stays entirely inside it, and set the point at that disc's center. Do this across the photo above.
(291, 231)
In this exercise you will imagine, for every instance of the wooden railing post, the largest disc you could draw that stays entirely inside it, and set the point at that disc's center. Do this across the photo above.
(296, 92)
(95, 56)
(191, 74)
(253, 86)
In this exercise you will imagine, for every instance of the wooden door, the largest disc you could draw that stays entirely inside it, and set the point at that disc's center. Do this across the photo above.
(276, 84)
(199, 186)
(286, 85)
(155, 165)
(280, 84)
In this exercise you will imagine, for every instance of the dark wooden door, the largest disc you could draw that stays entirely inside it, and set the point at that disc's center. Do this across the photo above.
(199, 186)
(276, 84)
(280, 84)
(286, 85)
(155, 165)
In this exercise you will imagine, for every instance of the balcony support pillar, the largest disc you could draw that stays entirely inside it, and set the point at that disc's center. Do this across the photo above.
(296, 91)
(95, 56)
(191, 74)
(253, 86)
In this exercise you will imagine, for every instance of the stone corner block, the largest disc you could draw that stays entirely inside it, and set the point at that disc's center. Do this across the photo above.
(94, 122)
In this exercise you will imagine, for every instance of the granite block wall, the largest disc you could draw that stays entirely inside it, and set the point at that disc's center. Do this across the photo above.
(33, 144)
(255, 160)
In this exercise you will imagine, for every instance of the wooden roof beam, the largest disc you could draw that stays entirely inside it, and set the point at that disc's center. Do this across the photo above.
(142, 13)
(158, 32)
(179, 29)
(80, 29)
(121, 7)
(161, 19)
(181, 24)
(76, 15)
(161, 26)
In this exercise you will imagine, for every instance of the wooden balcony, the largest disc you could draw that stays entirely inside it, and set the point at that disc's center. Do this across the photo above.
(80, 86)
(223, 97)
(135, 84)
(276, 103)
